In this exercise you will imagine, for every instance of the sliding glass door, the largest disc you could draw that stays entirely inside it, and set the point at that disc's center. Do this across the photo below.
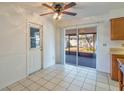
(81, 46)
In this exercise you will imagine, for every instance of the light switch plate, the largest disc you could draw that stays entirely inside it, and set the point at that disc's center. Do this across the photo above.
(104, 44)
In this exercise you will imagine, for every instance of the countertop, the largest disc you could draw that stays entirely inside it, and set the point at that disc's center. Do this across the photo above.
(118, 51)
(121, 61)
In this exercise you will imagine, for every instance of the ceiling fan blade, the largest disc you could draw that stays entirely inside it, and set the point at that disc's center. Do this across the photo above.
(69, 13)
(48, 6)
(69, 5)
(46, 13)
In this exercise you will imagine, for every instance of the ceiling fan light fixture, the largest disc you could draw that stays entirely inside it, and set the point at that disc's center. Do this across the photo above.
(58, 9)
(55, 15)
(59, 17)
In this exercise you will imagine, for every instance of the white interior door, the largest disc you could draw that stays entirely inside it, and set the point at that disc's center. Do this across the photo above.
(34, 48)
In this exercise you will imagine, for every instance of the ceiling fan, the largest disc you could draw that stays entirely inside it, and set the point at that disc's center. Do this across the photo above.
(58, 9)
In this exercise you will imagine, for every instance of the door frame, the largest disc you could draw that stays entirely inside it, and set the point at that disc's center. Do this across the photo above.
(32, 24)
(77, 27)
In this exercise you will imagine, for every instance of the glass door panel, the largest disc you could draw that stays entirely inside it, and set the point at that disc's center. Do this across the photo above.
(86, 48)
(71, 46)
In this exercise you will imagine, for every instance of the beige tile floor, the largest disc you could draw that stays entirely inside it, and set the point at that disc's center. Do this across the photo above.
(65, 78)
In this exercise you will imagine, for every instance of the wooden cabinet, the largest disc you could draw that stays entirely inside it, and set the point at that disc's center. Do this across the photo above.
(114, 66)
(117, 28)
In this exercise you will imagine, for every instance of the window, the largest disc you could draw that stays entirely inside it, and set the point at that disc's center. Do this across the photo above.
(34, 37)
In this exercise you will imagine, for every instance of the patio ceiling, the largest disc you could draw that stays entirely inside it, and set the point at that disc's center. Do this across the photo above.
(81, 31)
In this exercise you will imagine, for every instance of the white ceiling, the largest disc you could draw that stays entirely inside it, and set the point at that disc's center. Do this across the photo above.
(83, 9)
(93, 9)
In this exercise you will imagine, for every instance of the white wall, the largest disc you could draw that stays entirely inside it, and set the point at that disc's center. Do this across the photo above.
(13, 42)
(102, 55)
(57, 47)
(103, 36)
(48, 43)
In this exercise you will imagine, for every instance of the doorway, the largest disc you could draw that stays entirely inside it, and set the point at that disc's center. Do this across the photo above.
(80, 46)
(34, 48)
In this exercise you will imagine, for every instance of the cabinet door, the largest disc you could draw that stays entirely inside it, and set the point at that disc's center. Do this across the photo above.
(114, 74)
(117, 29)
(115, 69)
